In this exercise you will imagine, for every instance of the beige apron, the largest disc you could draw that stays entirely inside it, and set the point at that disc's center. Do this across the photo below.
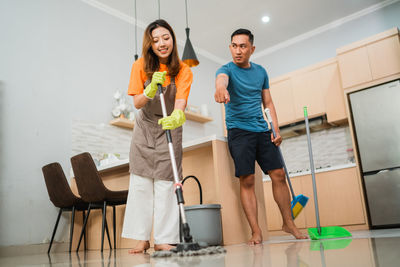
(149, 154)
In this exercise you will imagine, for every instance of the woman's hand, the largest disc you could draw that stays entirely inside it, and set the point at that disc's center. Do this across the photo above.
(173, 121)
(151, 89)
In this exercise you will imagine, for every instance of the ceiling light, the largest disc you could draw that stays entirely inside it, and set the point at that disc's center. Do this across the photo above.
(265, 19)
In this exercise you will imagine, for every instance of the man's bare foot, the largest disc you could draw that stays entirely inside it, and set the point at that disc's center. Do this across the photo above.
(141, 247)
(256, 239)
(294, 231)
(163, 247)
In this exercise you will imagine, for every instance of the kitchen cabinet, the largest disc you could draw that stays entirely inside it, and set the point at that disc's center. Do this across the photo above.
(371, 59)
(318, 87)
(307, 91)
(384, 57)
(339, 199)
(282, 95)
(334, 99)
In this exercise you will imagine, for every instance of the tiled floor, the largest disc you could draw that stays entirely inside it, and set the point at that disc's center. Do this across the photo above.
(379, 248)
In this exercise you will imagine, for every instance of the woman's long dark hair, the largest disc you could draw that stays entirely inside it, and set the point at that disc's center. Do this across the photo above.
(151, 62)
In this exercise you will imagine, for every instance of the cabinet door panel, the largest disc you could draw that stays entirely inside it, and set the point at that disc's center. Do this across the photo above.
(307, 91)
(384, 57)
(282, 96)
(354, 67)
(334, 95)
(339, 198)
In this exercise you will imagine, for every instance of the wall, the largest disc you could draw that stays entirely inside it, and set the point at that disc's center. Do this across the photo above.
(61, 62)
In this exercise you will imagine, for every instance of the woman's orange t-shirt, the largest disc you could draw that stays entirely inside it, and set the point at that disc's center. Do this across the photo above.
(183, 80)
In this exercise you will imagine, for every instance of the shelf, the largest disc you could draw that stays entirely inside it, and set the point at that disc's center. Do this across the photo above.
(122, 122)
(197, 117)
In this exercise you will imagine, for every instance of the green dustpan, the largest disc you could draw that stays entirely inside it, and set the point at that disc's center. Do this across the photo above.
(328, 232)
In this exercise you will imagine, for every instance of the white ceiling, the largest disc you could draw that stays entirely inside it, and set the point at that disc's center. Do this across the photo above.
(211, 22)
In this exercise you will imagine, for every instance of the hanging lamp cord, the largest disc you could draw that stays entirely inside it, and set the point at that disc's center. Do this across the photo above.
(136, 54)
(159, 10)
(187, 25)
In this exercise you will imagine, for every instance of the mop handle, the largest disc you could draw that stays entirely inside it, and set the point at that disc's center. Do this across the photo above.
(173, 161)
(169, 138)
(310, 154)
(269, 118)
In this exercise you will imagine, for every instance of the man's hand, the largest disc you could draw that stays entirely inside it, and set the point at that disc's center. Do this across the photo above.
(151, 89)
(222, 96)
(173, 121)
(221, 92)
(277, 140)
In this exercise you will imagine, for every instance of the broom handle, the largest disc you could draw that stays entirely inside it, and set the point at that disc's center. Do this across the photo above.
(310, 154)
(269, 118)
(178, 190)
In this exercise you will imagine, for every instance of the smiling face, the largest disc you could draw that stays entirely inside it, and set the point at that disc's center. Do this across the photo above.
(162, 44)
(241, 50)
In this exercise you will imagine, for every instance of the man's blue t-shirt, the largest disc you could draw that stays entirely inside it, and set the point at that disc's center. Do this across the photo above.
(245, 90)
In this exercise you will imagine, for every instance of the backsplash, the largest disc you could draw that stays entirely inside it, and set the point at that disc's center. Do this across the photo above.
(328, 146)
(100, 138)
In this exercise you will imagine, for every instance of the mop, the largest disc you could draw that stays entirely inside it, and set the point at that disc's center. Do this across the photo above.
(299, 201)
(188, 247)
(320, 232)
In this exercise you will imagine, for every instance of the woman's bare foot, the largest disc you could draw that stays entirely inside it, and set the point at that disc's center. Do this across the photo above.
(141, 247)
(256, 239)
(163, 247)
(294, 231)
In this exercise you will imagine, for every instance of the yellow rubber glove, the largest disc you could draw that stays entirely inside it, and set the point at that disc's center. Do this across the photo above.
(151, 89)
(175, 120)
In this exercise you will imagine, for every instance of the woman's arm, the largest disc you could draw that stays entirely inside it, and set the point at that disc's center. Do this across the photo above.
(140, 101)
(180, 104)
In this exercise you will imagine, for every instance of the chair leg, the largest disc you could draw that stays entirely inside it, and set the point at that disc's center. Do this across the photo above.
(108, 235)
(84, 233)
(72, 228)
(115, 242)
(54, 231)
(83, 228)
(103, 225)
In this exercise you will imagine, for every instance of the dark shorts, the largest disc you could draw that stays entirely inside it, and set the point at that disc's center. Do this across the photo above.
(247, 147)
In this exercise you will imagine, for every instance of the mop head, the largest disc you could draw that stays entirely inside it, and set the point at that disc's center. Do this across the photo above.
(188, 253)
(328, 232)
(298, 203)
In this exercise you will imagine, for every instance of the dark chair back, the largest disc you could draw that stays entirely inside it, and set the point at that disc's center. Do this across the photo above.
(90, 186)
(57, 186)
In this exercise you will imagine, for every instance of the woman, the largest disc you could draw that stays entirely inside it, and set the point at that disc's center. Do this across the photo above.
(151, 188)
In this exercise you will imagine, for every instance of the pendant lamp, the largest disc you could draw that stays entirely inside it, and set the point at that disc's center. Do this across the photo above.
(189, 56)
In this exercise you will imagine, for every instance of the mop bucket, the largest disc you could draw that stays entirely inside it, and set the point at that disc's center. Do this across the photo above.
(204, 220)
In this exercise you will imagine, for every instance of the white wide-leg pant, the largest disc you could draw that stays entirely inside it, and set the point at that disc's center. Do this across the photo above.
(148, 198)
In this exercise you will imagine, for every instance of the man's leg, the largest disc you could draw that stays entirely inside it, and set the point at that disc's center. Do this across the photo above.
(249, 203)
(282, 198)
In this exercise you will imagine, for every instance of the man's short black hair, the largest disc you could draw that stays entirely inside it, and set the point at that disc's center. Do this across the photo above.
(245, 32)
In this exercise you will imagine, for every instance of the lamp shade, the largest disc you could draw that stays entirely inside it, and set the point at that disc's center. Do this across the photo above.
(189, 56)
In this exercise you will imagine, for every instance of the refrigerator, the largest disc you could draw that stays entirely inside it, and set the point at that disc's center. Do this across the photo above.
(376, 119)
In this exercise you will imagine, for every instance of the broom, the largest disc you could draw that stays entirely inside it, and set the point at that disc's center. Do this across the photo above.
(299, 201)
(320, 232)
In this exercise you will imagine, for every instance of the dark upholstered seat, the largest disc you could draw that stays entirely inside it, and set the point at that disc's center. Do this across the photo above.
(62, 197)
(92, 190)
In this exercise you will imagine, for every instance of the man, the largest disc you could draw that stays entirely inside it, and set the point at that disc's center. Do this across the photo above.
(242, 86)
